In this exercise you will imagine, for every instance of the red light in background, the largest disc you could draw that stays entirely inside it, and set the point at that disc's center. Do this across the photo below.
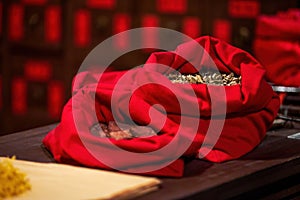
(222, 29)
(34, 2)
(150, 21)
(171, 6)
(19, 96)
(121, 22)
(150, 36)
(244, 9)
(191, 27)
(15, 17)
(53, 24)
(82, 28)
(40, 71)
(55, 98)
(104, 4)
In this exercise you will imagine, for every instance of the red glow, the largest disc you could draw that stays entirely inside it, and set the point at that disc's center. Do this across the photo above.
(102, 4)
(53, 24)
(34, 2)
(150, 36)
(172, 6)
(244, 9)
(150, 21)
(82, 28)
(121, 22)
(191, 27)
(222, 29)
(55, 98)
(19, 96)
(16, 16)
(38, 71)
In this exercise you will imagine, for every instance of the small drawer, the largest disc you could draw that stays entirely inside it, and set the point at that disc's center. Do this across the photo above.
(244, 9)
(35, 25)
(188, 25)
(36, 83)
(222, 29)
(91, 27)
(95, 21)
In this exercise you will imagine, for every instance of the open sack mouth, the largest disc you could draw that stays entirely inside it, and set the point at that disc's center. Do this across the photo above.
(210, 78)
(233, 120)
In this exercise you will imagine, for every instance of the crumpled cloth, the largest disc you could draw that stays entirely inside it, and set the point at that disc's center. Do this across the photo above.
(182, 114)
(277, 46)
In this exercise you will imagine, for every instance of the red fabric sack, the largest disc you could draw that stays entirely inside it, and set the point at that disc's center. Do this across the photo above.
(250, 109)
(277, 47)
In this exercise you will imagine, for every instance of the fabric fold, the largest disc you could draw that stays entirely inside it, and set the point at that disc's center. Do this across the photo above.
(193, 120)
(276, 45)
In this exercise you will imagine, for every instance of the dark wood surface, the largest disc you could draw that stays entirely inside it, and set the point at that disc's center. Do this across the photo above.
(27, 145)
(270, 171)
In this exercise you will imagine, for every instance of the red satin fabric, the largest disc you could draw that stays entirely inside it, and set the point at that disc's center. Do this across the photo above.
(250, 110)
(277, 47)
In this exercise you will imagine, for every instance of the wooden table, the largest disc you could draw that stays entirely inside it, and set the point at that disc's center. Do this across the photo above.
(271, 171)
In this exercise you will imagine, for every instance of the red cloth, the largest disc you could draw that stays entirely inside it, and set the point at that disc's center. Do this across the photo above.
(251, 109)
(277, 47)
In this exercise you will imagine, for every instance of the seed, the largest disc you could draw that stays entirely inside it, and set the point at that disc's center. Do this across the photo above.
(212, 78)
(118, 135)
(199, 78)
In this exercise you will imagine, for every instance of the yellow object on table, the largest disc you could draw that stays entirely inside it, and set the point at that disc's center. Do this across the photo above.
(13, 182)
(58, 181)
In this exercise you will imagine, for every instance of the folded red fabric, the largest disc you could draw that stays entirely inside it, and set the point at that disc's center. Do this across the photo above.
(250, 108)
(277, 47)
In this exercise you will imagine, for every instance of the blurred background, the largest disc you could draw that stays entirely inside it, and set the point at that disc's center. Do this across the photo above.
(43, 42)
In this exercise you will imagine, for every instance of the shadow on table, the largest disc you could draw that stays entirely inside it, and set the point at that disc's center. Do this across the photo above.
(195, 167)
(274, 147)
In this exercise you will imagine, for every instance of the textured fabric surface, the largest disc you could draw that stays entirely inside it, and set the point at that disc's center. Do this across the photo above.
(277, 47)
(250, 110)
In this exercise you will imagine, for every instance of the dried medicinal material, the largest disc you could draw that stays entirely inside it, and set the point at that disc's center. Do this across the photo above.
(99, 130)
(142, 131)
(211, 78)
(118, 135)
(112, 130)
(12, 181)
